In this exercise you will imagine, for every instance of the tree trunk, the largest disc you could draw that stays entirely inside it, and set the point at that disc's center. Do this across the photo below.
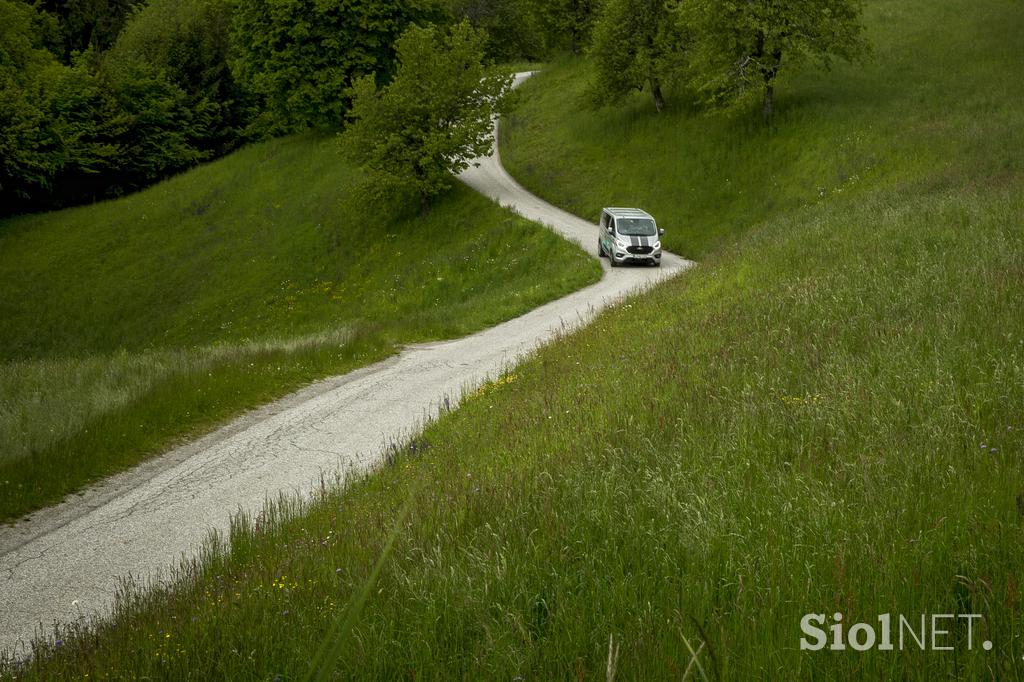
(769, 96)
(659, 99)
(769, 85)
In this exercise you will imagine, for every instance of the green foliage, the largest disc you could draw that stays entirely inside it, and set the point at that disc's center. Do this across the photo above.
(743, 45)
(636, 45)
(149, 120)
(102, 128)
(528, 29)
(78, 25)
(512, 27)
(160, 100)
(26, 73)
(566, 24)
(302, 55)
(433, 118)
(188, 42)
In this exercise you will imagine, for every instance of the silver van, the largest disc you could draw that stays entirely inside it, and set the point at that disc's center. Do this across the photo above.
(629, 235)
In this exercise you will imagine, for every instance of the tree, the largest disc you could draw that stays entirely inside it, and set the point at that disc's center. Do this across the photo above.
(433, 118)
(566, 24)
(512, 29)
(87, 23)
(740, 45)
(29, 147)
(302, 55)
(188, 42)
(99, 127)
(110, 122)
(637, 44)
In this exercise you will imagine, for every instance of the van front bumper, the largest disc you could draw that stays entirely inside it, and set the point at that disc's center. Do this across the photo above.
(624, 257)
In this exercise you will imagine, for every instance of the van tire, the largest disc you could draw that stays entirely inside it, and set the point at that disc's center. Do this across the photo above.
(600, 250)
(612, 261)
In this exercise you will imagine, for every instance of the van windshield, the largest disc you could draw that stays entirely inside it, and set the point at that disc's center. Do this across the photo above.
(636, 227)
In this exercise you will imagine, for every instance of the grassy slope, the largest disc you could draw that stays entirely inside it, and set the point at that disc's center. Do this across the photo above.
(130, 323)
(918, 109)
(833, 422)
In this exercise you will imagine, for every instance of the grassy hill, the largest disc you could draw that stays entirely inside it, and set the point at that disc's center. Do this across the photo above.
(131, 323)
(827, 415)
(930, 106)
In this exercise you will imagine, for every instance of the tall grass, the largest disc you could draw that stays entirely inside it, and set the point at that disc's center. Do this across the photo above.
(826, 416)
(795, 427)
(61, 396)
(129, 324)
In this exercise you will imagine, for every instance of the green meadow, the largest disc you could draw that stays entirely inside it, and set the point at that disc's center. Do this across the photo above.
(826, 415)
(131, 324)
(936, 102)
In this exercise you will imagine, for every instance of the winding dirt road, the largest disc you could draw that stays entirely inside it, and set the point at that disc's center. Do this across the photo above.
(66, 562)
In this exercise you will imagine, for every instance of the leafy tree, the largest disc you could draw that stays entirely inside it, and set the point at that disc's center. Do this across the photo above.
(99, 127)
(160, 100)
(743, 45)
(149, 121)
(112, 128)
(637, 44)
(511, 25)
(189, 43)
(433, 118)
(86, 23)
(566, 24)
(302, 55)
(27, 141)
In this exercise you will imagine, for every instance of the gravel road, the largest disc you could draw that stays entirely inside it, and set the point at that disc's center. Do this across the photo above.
(66, 562)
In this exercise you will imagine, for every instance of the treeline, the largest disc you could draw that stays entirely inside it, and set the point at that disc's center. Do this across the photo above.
(717, 52)
(98, 104)
(101, 97)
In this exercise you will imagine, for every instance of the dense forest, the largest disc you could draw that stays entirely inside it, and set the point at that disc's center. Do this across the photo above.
(102, 97)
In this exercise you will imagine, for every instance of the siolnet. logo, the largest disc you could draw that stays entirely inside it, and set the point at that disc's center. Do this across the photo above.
(935, 632)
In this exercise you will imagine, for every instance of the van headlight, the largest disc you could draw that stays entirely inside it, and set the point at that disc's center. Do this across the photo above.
(657, 245)
(621, 244)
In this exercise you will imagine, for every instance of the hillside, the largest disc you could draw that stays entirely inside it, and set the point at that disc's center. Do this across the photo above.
(824, 417)
(131, 323)
(929, 107)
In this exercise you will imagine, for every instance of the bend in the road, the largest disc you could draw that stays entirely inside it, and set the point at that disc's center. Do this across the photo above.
(68, 561)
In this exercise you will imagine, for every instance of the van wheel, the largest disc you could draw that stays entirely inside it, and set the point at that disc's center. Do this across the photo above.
(612, 261)
(600, 249)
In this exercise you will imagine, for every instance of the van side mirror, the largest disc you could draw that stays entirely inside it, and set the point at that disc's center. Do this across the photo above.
(611, 231)
(660, 231)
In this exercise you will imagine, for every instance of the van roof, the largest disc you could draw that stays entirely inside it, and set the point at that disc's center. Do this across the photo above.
(620, 212)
